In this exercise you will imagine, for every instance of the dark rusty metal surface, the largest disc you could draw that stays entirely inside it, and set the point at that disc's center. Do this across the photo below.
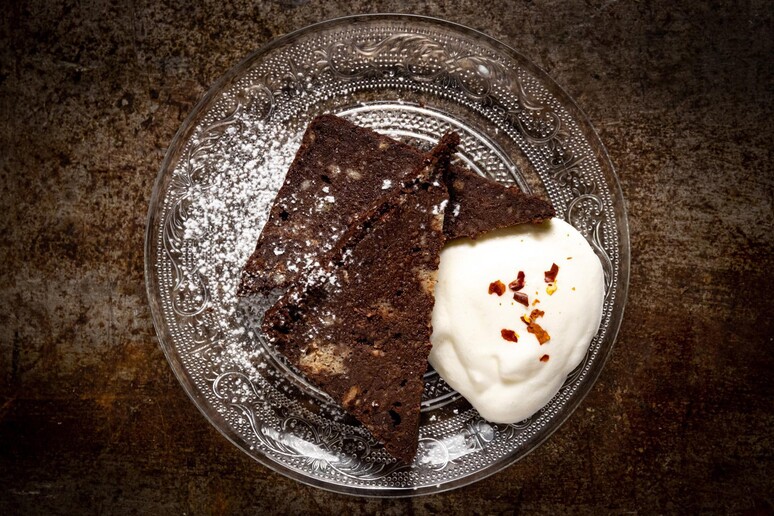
(91, 417)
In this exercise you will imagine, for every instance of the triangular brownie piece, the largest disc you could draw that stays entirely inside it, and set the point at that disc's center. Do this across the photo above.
(339, 171)
(477, 205)
(359, 326)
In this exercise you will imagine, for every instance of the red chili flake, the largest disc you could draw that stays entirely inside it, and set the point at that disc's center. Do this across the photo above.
(534, 328)
(509, 335)
(534, 314)
(536, 301)
(518, 283)
(551, 275)
(541, 334)
(544, 358)
(522, 298)
(497, 287)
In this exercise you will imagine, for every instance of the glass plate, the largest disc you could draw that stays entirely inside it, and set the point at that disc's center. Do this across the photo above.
(412, 78)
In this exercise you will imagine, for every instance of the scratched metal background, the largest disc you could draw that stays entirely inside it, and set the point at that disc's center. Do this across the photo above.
(91, 417)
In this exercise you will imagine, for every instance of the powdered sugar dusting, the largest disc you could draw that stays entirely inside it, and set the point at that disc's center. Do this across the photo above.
(227, 213)
(226, 205)
(440, 208)
(240, 176)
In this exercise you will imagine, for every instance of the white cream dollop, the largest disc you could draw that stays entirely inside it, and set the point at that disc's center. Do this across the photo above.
(507, 381)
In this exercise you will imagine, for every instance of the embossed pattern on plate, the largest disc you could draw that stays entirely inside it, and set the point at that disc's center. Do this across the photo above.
(413, 78)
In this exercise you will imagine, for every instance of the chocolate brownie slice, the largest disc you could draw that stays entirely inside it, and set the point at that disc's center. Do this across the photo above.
(359, 325)
(340, 169)
(477, 205)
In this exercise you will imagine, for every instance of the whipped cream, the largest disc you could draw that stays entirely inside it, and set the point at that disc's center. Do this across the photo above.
(473, 349)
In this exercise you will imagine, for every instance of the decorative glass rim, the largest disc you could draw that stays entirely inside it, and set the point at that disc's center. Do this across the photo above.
(173, 154)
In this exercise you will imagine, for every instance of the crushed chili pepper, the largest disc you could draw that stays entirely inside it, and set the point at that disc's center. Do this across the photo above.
(509, 335)
(534, 314)
(534, 328)
(550, 275)
(541, 334)
(521, 297)
(544, 358)
(497, 287)
(518, 283)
